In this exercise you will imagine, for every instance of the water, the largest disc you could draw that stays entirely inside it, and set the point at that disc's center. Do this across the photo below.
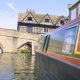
(17, 67)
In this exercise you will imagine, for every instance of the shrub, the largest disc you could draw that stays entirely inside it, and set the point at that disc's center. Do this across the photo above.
(24, 50)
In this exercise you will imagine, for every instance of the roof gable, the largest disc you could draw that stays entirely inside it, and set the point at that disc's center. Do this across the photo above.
(61, 21)
(29, 18)
(46, 20)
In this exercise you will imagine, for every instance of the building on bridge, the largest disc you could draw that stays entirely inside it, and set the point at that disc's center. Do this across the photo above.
(32, 22)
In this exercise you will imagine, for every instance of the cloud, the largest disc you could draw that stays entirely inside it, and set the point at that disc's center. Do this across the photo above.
(11, 5)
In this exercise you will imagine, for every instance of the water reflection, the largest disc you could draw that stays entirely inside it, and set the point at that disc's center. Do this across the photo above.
(17, 67)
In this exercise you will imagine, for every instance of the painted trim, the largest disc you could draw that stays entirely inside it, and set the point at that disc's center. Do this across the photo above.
(72, 22)
(77, 52)
(64, 58)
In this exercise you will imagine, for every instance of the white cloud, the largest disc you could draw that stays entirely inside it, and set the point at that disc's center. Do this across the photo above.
(11, 5)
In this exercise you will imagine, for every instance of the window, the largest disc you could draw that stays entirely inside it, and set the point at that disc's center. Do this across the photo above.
(36, 30)
(73, 14)
(46, 20)
(22, 28)
(62, 22)
(69, 42)
(79, 10)
(29, 29)
(30, 18)
(46, 43)
(45, 29)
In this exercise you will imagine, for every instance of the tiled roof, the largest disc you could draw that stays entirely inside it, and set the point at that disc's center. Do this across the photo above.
(39, 17)
(55, 18)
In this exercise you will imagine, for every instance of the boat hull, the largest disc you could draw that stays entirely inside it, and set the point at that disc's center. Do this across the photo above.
(54, 69)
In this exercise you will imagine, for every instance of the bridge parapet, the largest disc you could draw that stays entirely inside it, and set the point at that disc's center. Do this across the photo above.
(17, 34)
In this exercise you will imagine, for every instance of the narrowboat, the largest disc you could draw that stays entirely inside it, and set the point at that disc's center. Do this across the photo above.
(58, 54)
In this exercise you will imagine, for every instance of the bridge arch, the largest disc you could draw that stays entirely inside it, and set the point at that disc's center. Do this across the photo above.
(31, 44)
(1, 48)
(27, 46)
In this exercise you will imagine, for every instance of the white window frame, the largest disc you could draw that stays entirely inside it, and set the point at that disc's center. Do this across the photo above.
(73, 14)
(79, 9)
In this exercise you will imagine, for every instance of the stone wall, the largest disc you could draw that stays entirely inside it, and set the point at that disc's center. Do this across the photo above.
(10, 39)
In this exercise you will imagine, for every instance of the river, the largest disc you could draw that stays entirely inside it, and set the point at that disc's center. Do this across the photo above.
(17, 67)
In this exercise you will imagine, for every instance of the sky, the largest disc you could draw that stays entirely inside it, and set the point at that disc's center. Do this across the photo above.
(9, 9)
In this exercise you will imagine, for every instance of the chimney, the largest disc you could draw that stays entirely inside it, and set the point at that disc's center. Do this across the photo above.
(27, 11)
(69, 6)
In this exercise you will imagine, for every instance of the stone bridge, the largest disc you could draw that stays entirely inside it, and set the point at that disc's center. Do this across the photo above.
(11, 40)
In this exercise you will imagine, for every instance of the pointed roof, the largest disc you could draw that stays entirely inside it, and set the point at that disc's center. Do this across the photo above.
(39, 17)
(44, 17)
(27, 14)
(64, 17)
(55, 18)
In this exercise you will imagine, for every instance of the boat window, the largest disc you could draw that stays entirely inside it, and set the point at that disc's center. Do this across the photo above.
(46, 42)
(69, 42)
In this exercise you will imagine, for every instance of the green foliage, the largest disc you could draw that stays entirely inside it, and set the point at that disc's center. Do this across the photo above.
(24, 50)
